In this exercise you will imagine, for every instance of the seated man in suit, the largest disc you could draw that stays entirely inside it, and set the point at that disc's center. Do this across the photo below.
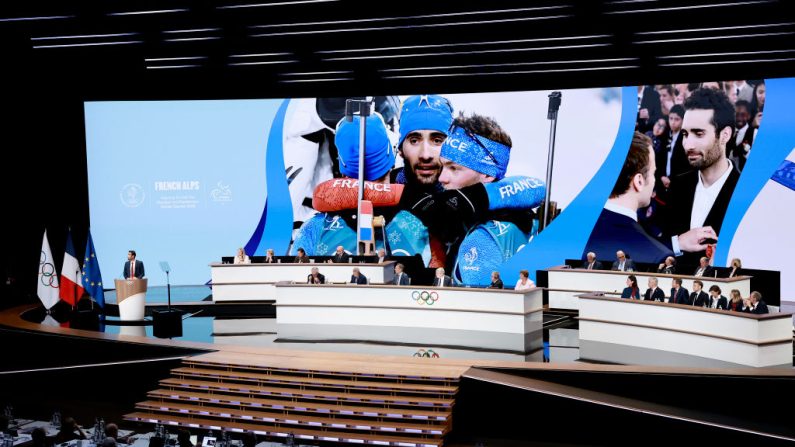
(755, 305)
(381, 255)
(496, 282)
(704, 269)
(591, 263)
(679, 295)
(302, 258)
(442, 280)
(668, 266)
(716, 300)
(400, 279)
(699, 298)
(622, 263)
(654, 293)
(340, 256)
(357, 277)
(617, 226)
(315, 277)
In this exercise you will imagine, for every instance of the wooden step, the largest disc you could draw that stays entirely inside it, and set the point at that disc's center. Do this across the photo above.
(303, 364)
(315, 382)
(308, 407)
(277, 430)
(294, 394)
(307, 421)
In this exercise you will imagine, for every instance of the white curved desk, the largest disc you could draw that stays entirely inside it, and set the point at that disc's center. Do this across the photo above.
(566, 284)
(255, 282)
(630, 331)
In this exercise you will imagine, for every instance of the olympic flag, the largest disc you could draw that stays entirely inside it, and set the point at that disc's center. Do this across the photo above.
(71, 289)
(48, 279)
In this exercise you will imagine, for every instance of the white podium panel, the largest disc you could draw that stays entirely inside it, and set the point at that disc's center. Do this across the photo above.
(734, 338)
(448, 308)
(565, 284)
(255, 282)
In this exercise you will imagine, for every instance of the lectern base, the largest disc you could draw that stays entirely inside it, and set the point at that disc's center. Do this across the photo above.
(167, 323)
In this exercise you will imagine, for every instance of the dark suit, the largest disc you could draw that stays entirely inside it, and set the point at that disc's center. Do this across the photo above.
(709, 271)
(761, 308)
(737, 272)
(723, 303)
(668, 269)
(628, 265)
(699, 299)
(681, 297)
(682, 192)
(651, 102)
(268, 260)
(614, 231)
(319, 280)
(629, 291)
(444, 281)
(401, 280)
(139, 269)
(596, 265)
(656, 295)
(361, 279)
(496, 284)
(338, 259)
(301, 260)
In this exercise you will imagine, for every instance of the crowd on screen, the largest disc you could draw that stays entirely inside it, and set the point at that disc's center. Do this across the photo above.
(690, 145)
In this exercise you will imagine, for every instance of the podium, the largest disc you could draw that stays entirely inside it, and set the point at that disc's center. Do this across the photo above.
(131, 298)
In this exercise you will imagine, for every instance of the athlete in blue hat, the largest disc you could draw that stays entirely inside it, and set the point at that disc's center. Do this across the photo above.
(322, 233)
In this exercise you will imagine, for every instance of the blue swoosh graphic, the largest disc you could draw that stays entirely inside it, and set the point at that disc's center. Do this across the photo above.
(566, 236)
(774, 142)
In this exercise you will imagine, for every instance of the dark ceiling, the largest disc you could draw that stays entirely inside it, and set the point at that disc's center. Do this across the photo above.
(131, 49)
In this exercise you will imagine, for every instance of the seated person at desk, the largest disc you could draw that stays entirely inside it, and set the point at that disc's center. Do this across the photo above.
(357, 277)
(524, 282)
(699, 298)
(38, 437)
(631, 290)
(668, 266)
(302, 258)
(340, 256)
(755, 305)
(381, 255)
(736, 302)
(736, 268)
(112, 431)
(270, 258)
(704, 269)
(622, 263)
(679, 295)
(107, 442)
(654, 292)
(67, 433)
(591, 263)
(496, 282)
(400, 279)
(716, 300)
(442, 280)
(315, 277)
(241, 257)
(183, 438)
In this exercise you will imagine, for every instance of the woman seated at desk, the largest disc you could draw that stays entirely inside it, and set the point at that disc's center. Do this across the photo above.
(631, 291)
(241, 257)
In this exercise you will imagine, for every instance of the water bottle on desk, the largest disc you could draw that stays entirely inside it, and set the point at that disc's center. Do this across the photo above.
(56, 419)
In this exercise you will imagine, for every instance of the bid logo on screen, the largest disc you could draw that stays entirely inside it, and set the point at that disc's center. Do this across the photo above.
(132, 195)
(223, 193)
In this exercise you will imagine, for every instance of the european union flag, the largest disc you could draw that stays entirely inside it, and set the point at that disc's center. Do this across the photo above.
(92, 278)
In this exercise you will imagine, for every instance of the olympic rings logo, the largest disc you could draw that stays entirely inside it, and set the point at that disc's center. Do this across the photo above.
(429, 354)
(47, 272)
(424, 297)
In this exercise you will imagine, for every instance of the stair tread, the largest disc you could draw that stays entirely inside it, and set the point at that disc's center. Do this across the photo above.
(299, 433)
(283, 417)
(306, 393)
(305, 406)
(315, 381)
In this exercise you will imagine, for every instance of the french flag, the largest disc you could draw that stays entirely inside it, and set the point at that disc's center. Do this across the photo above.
(366, 225)
(71, 289)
